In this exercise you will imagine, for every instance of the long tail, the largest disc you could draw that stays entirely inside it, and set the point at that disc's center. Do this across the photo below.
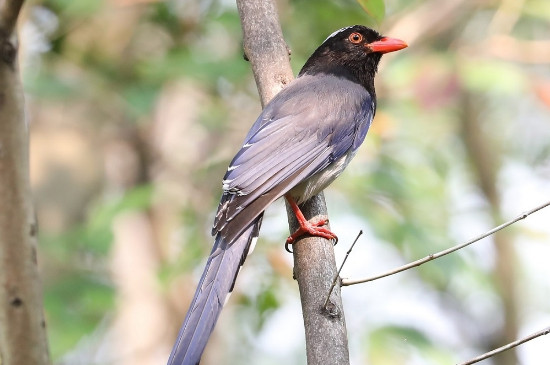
(216, 283)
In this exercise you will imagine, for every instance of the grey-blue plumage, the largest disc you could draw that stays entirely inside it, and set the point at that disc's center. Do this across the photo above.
(216, 282)
(297, 144)
(303, 139)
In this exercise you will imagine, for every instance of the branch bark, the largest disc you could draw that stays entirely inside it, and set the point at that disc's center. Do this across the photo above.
(315, 265)
(22, 325)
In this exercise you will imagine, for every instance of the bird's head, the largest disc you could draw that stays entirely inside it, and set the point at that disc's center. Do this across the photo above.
(355, 50)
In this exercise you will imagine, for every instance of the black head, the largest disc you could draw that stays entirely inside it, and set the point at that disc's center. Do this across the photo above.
(352, 52)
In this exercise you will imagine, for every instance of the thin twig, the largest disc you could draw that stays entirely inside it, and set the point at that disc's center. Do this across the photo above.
(340, 269)
(447, 251)
(507, 347)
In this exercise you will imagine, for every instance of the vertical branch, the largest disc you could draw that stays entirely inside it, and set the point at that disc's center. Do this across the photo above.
(315, 265)
(265, 47)
(485, 163)
(9, 12)
(315, 269)
(22, 326)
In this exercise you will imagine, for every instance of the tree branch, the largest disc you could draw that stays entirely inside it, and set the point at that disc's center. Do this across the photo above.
(22, 326)
(315, 265)
(507, 347)
(265, 47)
(9, 11)
(439, 254)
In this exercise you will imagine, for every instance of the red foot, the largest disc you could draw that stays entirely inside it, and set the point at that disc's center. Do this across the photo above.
(313, 227)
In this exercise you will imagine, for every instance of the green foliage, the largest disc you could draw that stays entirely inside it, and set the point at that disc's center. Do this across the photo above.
(98, 235)
(411, 183)
(494, 77)
(77, 9)
(375, 8)
(393, 345)
(75, 303)
(78, 293)
(261, 305)
(140, 98)
(52, 86)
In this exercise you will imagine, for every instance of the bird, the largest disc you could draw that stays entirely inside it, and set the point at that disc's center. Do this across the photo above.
(300, 143)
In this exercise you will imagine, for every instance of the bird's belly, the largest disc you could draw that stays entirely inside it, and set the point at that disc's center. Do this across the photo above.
(318, 182)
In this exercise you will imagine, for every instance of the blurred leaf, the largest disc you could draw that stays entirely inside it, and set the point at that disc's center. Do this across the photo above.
(375, 8)
(140, 98)
(74, 305)
(258, 306)
(193, 64)
(52, 86)
(267, 301)
(76, 8)
(537, 8)
(394, 345)
(493, 76)
(98, 234)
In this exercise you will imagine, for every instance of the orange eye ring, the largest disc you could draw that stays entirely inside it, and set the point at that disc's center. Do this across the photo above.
(355, 38)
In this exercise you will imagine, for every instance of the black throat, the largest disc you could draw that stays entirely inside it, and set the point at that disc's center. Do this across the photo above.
(361, 72)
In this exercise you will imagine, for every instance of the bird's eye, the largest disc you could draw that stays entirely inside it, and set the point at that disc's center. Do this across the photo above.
(355, 38)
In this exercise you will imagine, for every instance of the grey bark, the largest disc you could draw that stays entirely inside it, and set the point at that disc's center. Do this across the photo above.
(22, 326)
(314, 262)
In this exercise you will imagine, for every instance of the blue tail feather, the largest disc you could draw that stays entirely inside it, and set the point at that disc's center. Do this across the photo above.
(215, 284)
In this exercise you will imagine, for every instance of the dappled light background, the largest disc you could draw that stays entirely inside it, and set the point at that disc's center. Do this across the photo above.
(136, 107)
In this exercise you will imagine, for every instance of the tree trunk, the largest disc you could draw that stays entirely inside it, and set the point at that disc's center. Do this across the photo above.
(22, 326)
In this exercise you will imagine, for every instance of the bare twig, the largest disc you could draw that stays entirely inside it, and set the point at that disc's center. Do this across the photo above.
(340, 269)
(447, 251)
(507, 347)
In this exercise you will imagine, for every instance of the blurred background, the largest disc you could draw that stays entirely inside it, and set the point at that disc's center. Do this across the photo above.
(137, 106)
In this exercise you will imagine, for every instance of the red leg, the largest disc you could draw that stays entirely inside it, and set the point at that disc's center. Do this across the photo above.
(313, 227)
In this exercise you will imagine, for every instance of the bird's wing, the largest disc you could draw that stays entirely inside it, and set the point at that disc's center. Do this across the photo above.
(307, 126)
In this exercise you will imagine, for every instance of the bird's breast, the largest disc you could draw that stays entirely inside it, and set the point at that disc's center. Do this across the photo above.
(319, 181)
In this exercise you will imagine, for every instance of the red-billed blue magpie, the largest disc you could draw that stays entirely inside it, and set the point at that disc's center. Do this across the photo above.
(303, 139)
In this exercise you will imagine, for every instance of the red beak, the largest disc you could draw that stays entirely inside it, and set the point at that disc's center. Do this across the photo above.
(386, 45)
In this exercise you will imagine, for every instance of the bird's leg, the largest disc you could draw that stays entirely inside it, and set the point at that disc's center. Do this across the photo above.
(313, 227)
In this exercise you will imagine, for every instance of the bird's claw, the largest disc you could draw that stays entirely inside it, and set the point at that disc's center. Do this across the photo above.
(313, 228)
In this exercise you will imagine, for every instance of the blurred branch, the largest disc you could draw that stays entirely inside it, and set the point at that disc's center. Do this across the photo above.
(22, 325)
(428, 19)
(511, 49)
(314, 261)
(439, 254)
(484, 153)
(9, 11)
(507, 347)
(433, 17)
(506, 16)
